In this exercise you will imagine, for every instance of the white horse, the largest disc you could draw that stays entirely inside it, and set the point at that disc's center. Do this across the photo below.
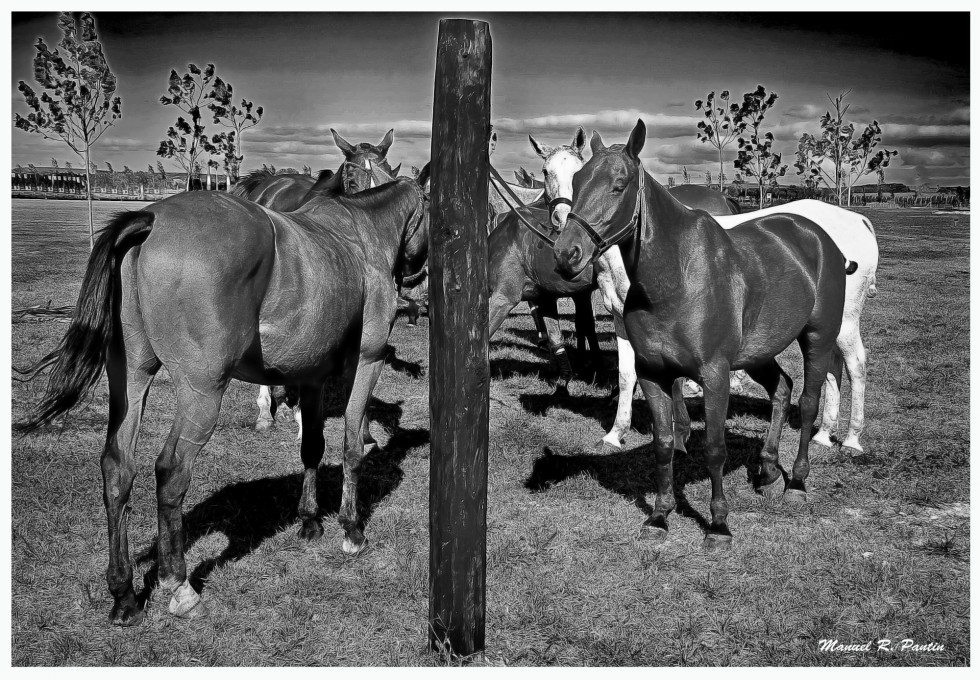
(852, 233)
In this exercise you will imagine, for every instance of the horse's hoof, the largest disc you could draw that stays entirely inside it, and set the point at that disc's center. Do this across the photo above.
(653, 534)
(794, 497)
(263, 425)
(771, 489)
(186, 603)
(823, 439)
(189, 608)
(126, 611)
(311, 530)
(604, 447)
(353, 548)
(717, 542)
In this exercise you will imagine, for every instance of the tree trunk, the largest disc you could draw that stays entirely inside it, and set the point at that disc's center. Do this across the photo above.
(88, 195)
(721, 171)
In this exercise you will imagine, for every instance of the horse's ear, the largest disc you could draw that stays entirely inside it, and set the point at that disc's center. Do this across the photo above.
(342, 144)
(423, 177)
(387, 141)
(394, 173)
(578, 141)
(638, 138)
(541, 149)
(596, 142)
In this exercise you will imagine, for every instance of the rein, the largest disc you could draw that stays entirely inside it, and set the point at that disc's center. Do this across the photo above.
(604, 244)
(516, 209)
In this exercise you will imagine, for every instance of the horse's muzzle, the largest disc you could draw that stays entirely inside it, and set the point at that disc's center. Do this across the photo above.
(569, 262)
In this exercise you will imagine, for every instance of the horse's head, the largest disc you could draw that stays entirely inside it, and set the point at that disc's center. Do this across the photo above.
(365, 165)
(606, 205)
(415, 239)
(492, 143)
(560, 165)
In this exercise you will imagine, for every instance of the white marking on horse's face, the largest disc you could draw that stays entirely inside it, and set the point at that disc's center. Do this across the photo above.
(559, 169)
(367, 166)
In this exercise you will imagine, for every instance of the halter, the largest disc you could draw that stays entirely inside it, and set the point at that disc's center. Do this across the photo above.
(516, 209)
(371, 170)
(604, 244)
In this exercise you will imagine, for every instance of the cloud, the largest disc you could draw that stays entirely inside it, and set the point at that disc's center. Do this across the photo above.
(925, 135)
(930, 157)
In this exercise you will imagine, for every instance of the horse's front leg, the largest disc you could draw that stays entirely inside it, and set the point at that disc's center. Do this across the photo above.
(660, 402)
(627, 384)
(549, 311)
(350, 518)
(716, 384)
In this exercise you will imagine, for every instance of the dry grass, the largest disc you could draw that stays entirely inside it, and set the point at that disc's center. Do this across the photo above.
(880, 551)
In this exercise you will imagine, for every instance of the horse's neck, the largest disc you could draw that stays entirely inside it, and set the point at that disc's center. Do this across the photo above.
(657, 250)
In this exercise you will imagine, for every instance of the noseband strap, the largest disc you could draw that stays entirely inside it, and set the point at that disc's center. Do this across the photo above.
(377, 172)
(561, 200)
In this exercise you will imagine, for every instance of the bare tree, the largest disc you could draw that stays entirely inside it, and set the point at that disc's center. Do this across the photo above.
(78, 104)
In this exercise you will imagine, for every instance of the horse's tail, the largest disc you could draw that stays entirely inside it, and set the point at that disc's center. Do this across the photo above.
(79, 358)
(850, 266)
(873, 286)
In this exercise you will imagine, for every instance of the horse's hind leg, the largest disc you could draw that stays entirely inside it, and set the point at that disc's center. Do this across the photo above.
(360, 393)
(267, 410)
(831, 401)
(817, 353)
(779, 387)
(311, 451)
(856, 360)
(198, 405)
(130, 372)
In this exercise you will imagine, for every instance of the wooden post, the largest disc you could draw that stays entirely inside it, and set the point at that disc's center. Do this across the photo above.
(459, 349)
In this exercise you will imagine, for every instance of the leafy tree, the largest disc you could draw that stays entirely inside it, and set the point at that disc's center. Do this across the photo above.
(54, 162)
(755, 155)
(671, 182)
(78, 103)
(68, 164)
(186, 140)
(721, 127)
(707, 178)
(238, 118)
(687, 178)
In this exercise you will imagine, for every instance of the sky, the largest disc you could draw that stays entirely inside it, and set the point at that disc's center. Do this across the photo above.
(365, 73)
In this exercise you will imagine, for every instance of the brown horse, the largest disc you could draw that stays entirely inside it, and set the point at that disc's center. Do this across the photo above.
(365, 165)
(703, 301)
(215, 287)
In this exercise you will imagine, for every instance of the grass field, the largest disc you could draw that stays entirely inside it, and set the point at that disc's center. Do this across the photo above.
(880, 551)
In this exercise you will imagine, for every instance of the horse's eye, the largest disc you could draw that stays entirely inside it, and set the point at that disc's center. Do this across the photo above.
(618, 187)
(545, 172)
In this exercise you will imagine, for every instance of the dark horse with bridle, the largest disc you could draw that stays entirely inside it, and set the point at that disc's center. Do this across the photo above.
(704, 301)
(521, 263)
(215, 287)
(365, 165)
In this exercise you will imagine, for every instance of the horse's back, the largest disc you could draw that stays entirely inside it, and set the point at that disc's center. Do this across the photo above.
(698, 197)
(852, 232)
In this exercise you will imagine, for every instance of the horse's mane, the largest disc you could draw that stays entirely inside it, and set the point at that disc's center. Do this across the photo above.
(247, 184)
(375, 196)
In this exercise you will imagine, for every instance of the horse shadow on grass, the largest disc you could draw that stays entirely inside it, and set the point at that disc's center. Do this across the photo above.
(603, 408)
(248, 513)
(632, 473)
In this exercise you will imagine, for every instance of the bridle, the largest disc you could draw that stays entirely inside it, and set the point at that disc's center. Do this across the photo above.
(603, 244)
(373, 171)
(536, 230)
